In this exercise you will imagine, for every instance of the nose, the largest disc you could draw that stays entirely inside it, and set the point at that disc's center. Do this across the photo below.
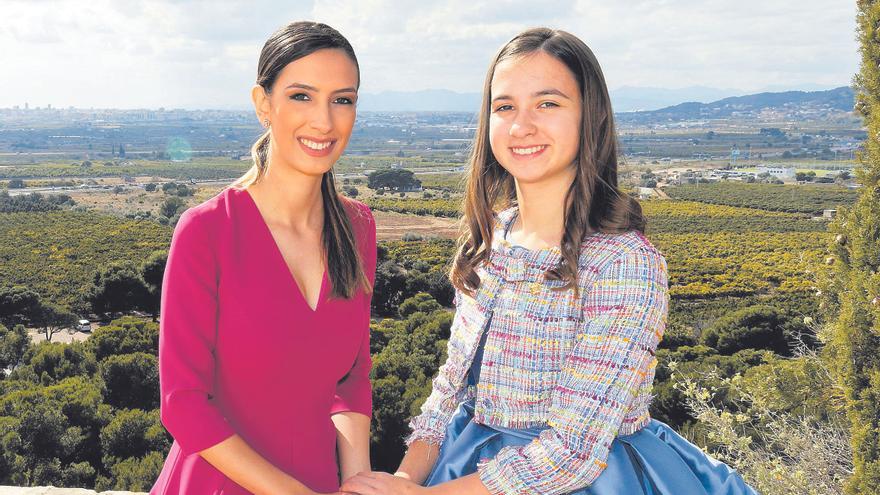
(322, 121)
(522, 126)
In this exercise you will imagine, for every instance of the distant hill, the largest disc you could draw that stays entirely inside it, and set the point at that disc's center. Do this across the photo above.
(633, 99)
(803, 104)
(628, 102)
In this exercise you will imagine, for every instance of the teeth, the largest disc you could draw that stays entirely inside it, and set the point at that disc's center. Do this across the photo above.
(527, 151)
(315, 146)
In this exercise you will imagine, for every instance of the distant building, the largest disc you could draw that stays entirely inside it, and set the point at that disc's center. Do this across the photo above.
(646, 192)
(781, 172)
(829, 213)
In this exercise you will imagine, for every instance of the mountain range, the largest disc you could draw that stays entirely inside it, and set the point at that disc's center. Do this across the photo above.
(646, 102)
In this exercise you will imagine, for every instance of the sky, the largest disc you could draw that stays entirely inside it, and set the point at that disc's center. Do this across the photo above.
(203, 54)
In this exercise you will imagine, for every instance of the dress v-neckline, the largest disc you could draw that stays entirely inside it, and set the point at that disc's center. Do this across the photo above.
(290, 276)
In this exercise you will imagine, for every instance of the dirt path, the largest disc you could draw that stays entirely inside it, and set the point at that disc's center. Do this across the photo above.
(391, 225)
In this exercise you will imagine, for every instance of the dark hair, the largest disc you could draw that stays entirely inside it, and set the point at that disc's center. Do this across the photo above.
(292, 42)
(593, 201)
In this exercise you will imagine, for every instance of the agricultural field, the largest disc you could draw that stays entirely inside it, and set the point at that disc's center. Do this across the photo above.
(774, 197)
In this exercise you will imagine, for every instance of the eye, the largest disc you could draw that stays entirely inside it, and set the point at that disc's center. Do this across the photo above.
(300, 97)
(344, 100)
(547, 104)
(503, 108)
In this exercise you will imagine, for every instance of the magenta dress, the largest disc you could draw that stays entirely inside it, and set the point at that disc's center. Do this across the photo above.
(241, 351)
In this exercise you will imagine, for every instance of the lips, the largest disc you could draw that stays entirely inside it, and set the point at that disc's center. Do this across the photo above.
(316, 147)
(527, 151)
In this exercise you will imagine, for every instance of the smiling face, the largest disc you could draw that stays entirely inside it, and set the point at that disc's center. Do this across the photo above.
(311, 110)
(535, 118)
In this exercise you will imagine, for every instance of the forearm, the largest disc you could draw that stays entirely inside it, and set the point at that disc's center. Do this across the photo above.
(353, 443)
(418, 461)
(242, 464)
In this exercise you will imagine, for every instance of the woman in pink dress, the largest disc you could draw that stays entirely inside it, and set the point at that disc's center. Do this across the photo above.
(264, 340)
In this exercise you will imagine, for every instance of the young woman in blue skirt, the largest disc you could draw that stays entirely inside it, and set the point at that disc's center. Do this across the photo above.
(561, 302)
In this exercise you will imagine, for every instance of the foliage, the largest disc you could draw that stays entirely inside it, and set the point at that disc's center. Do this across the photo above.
(774, 197)
(394, 179)
(438, 207)
(118, 288)
(407, 353)
(756, 327)
(33, 202)
(779, 444)
(56, 253)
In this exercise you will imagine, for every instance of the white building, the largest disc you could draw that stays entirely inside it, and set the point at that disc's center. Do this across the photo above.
(781, 172)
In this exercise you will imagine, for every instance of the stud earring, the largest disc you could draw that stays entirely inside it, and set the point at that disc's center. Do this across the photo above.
(266, 123)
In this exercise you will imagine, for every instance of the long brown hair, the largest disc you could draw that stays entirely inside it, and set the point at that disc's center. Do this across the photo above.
(292, 42)
(593, 201)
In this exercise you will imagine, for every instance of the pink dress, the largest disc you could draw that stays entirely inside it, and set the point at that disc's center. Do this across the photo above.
(241, 351)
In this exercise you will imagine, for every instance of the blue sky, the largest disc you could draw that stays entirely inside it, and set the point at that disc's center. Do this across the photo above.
(203, 54)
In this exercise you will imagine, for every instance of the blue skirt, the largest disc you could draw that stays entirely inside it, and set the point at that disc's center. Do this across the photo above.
(653, 461)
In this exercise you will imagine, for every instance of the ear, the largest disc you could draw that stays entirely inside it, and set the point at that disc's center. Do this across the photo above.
(262, 105)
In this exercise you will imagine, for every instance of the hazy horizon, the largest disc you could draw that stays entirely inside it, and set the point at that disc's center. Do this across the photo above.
(197, 54)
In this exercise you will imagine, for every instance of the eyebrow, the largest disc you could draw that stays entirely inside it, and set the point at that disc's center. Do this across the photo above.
(312, 88)
(543, 92)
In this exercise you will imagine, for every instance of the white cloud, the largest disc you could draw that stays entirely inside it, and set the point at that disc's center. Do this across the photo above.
(199, 53)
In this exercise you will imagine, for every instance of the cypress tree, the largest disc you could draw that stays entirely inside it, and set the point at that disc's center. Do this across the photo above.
(851, 295)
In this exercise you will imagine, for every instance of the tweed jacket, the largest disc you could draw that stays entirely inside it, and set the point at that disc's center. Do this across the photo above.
(580, 365)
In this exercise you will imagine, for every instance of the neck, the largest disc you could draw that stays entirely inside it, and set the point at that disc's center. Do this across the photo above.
(540, 222)
(292, 199)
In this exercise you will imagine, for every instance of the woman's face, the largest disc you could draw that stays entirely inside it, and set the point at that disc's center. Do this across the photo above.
(311, 110)
(535, 118)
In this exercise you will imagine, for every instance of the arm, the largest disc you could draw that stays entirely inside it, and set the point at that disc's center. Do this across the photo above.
(624, 319)
(239, 462)
(353, 404)
(353, 443)
(418, 461)
(187, 336)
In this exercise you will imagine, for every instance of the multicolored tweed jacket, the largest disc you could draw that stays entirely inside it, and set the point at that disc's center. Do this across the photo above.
(581, 365)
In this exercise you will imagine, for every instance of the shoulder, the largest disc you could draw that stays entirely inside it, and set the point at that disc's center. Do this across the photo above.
(361, 218)
(602, 250)
(209, 216)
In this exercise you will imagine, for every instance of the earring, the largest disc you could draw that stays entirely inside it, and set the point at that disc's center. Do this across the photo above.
(266, 123)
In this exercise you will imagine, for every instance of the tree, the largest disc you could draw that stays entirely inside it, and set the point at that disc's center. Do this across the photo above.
(15, 184)
(150, 187)
(171, 206)
(394, 179)
(126, 335)
(389, 288)
(18, 305)
(54, 361)
(132, 380)
(52, 318)
(152, 271)
(754, 327)
(14, 345)
(132, 433)
(118, 288)
(851, 293)
(350, 191)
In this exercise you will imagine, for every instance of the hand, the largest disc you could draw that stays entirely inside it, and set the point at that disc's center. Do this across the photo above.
(376, 483)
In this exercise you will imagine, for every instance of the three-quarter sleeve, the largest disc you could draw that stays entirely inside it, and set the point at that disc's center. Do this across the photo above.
(624, 317)
(187, 336)
(437, 411)
(354, 392)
